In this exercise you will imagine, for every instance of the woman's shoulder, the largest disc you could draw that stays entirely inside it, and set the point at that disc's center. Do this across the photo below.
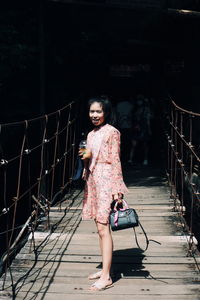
(113, 130)
(90, 133)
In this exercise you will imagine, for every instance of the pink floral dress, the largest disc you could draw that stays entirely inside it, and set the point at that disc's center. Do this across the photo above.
(104, 173)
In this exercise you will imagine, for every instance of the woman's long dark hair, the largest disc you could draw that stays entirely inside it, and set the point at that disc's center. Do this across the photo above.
(106, 105)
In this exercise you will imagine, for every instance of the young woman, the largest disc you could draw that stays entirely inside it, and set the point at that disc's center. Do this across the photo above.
(104, 181)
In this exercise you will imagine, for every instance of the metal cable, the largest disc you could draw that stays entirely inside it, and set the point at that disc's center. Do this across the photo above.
(36, 173)
(182, 156)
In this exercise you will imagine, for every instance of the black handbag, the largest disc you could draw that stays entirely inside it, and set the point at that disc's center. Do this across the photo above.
(123, 218)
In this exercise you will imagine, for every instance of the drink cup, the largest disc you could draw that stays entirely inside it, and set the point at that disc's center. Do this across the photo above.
(82, 145)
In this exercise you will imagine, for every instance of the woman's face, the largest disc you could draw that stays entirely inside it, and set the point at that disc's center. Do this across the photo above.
(96, 114)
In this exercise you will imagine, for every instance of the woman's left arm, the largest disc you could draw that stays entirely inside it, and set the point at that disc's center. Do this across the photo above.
(118, 186)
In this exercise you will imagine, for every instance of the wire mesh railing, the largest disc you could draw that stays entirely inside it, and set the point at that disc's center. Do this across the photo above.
(183, 169)
(37, 159)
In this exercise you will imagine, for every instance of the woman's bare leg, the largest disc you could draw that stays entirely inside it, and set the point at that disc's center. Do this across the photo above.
(106, 249)
(106, 244)
(100, 241)
(97, 274)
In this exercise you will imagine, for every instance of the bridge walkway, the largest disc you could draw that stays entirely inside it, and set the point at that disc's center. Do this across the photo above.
(57, 265)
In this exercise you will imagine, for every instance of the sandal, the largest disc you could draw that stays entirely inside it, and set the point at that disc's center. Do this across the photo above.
(101, 285)
(96, 275)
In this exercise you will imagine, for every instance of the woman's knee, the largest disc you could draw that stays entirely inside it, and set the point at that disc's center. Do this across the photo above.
(103, 229)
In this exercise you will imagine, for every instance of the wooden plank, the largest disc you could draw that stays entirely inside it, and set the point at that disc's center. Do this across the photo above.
(130, 267)
(83, 250)
(119, 237)
(130, 259)
(37, 274)
(78, 296)
(117, 289)
(149, 281)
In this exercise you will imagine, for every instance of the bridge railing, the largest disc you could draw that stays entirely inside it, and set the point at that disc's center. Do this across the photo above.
(36, 169)
(183, 168)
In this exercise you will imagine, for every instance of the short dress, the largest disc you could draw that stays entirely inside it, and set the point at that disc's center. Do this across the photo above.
(104, 174)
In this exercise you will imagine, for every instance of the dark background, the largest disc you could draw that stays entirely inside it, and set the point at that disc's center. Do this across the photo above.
(52, 52)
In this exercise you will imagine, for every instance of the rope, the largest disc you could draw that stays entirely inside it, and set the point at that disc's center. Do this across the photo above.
(182, 153)
(28, 174)
(184, 110)
(38, 118)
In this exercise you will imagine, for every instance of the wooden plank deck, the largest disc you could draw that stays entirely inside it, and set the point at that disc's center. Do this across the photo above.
(64, 258)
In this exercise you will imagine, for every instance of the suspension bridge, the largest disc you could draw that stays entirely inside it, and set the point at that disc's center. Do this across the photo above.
(49, 251)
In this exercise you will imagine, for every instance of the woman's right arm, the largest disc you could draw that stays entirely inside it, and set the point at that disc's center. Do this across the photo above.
(85, 156)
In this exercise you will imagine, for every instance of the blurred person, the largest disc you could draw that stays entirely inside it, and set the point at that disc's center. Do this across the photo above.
(124, 111)
(141, 130)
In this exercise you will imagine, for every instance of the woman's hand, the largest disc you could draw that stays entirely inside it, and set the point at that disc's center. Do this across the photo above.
(118, 197)
(86, 154)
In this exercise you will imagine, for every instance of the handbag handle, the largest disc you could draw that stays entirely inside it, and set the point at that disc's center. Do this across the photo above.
(146, 238)
(124, 206)
(116, 209)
